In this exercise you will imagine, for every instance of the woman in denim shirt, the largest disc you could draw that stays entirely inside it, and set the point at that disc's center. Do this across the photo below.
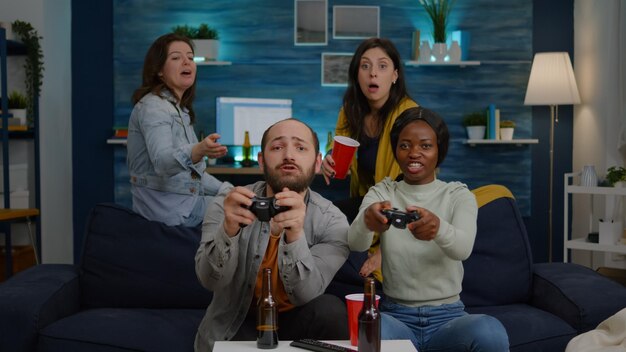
(165, 159)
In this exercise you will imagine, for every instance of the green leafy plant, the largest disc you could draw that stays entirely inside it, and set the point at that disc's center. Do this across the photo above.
(17, 100)
(206, 32)
(438, 11)
(203, 31)
(33, 67)
(475, 119)
(507, 124)
(615, 174)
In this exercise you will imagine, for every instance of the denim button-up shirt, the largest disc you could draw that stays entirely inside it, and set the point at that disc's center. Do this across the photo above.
(160, 139)
(229, 265)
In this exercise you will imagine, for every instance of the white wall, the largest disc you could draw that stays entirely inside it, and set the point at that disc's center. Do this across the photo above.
(52, 19)
(597, 119)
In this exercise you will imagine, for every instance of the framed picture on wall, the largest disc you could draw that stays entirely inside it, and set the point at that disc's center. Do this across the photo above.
(356, 22)
(335, 69)
(310, 22)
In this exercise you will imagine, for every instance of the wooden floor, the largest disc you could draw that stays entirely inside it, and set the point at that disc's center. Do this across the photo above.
(618, 275)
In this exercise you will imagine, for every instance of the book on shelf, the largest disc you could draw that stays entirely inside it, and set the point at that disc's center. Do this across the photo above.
(493, 122)
(120, 131)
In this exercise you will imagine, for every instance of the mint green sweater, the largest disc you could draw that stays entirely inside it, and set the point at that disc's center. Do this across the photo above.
(416, 272)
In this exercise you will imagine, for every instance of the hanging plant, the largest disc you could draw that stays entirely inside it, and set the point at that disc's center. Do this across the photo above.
(33, 67)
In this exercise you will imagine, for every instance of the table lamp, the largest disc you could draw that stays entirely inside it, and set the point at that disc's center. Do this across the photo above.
(552, 83)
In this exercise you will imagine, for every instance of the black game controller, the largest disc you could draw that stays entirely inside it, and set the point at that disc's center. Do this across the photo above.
(265, 208)
(398, 218)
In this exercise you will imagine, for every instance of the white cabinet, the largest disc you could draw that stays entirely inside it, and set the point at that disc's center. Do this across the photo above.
(581, 242)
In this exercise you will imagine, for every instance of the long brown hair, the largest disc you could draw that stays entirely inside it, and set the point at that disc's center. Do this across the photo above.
(355, 104)
(153, 64)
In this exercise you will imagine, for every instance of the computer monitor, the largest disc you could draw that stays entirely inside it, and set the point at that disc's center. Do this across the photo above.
(234, 116)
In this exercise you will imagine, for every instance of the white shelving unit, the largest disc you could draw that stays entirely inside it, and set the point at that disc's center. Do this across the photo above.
(518, 142)
(581, 243)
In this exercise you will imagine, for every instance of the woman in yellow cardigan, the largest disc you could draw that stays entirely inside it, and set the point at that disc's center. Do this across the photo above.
(375, 97)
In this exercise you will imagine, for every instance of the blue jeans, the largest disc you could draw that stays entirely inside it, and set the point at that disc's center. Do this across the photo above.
(442, 328)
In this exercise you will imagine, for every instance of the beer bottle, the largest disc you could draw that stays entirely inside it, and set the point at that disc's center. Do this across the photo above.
(246, 149)
(329, 142)
(266, 321)
(369, 320)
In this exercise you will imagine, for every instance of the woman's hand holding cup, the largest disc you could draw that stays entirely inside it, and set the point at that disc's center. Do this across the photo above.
(328, 168)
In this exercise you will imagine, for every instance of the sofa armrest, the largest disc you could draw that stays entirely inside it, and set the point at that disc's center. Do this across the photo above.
(33, 299)
(576, 294)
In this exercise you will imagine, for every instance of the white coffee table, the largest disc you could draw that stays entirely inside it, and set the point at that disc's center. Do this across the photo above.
(243, 346)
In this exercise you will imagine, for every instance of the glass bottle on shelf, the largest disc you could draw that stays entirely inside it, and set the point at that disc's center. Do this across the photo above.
(267, 327)
(246, 150)
(369, 319)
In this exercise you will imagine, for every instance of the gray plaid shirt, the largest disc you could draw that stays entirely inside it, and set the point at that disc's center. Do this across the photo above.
(228, 266)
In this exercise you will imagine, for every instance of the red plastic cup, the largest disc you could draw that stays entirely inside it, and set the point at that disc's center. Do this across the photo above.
(354, 303)
(343, 152)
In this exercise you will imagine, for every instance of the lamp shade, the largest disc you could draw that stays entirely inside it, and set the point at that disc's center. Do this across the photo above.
(552, 81)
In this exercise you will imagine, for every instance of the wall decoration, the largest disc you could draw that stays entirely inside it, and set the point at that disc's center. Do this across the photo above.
(335, 69)
(310, 22)
(356, 22)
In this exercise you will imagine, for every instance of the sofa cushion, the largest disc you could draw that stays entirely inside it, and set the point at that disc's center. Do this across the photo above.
(129, 261)
(111, 329)
(529, 328)
(499, 270)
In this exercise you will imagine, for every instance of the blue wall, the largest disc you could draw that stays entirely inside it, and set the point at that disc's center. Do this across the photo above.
(258, 38)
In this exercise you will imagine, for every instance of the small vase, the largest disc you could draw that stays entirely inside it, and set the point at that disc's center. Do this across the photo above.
(425, 51)
(206, 48)
(476, 132)
(454, 53)
(440, 50)
(588, 177)
(506, 133)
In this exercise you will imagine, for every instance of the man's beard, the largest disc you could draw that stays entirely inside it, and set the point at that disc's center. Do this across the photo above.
(297, 183)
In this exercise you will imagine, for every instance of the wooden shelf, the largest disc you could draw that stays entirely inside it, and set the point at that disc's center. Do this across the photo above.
(15, 214)
(518, 142)
(213, 63)
(445, 63)
(119, 141)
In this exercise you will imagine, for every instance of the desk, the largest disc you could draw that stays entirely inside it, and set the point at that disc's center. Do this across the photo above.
(233, 169)
(14, 215)
(243, 346)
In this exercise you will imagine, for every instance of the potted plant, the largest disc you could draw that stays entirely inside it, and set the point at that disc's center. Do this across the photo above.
(205, 40)
(18, 104)
(475, 124)
(507, 127)
(33, 67)
(616, 176)
(438, 11)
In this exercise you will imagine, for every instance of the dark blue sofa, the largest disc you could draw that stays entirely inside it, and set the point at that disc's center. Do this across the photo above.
(135, 289)
(542, 306)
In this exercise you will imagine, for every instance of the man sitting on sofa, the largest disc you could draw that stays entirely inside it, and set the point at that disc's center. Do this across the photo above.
(304, 246)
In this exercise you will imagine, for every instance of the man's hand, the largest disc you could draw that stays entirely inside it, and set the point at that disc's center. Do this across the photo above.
(292, 220)
(236, 211)
(374, 219)
(426, 227)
